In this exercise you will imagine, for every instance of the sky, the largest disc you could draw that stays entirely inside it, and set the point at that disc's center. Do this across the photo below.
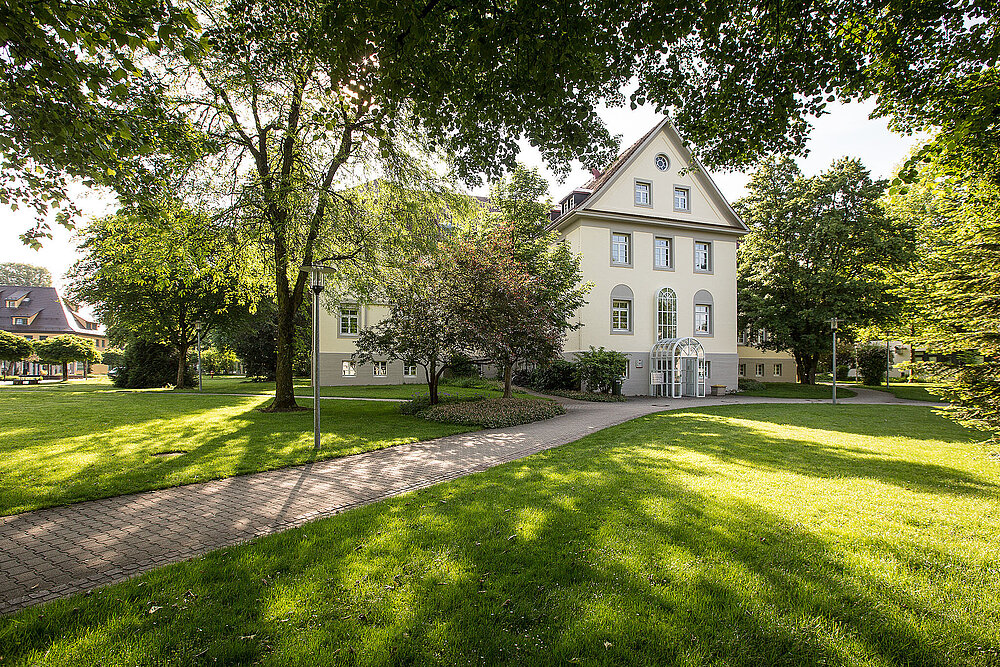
(846, 131)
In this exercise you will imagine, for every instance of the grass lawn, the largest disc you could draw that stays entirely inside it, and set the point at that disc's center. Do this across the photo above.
(237, 384)
(756, 535)
(915, 391)
(66, 443)
(796, 390)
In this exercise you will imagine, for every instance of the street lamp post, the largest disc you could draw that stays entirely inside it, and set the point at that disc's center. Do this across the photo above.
(833, 327)
(317, 280)
(197, 330)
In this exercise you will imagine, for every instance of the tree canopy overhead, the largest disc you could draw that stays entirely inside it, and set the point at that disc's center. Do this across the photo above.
(74, 101)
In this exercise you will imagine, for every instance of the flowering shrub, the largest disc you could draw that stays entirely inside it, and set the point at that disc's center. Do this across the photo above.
(494, 412)
(592, 396)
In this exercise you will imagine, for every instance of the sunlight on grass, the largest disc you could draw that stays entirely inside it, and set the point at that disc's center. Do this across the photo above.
(65, 446)
(757, 535)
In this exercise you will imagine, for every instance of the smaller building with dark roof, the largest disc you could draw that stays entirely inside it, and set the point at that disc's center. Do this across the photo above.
(37, 313)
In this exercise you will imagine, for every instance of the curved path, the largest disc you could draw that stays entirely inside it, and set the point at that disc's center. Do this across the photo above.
(51, 553)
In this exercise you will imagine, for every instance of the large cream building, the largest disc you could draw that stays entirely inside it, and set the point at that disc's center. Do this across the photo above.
(658, 241)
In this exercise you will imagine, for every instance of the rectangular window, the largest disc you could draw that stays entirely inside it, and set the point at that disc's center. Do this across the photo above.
(708, 369)
(702, 256)
(777, 370)
(621, 248)
(349, 369)
(703, 319)
(621, 315)
(662, 253)
(349, 321)
(625, 372)
(643, 193)
(682, 199)
(20, 320)
(743, 370)
(409, 370)
(380, 369)
(760, 370)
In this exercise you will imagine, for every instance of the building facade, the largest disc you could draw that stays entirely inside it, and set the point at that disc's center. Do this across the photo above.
(658, 241)
(38, 313)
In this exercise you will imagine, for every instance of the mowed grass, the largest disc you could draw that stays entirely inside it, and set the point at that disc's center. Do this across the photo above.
(915, 391)
(738, 535)
(796, 390)
(61, 445)
(239, 385)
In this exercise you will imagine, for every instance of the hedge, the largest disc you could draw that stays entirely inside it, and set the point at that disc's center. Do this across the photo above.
(494, 412)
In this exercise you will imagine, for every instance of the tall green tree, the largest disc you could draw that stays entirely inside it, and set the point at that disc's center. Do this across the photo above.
(301, 97)
(66, 349)
(14, 348)
(155, 278)
(952, 288)
(516, 288)
(818, 248)
(15, 273)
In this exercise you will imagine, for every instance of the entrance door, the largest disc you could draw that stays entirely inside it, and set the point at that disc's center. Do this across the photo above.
(690, 379)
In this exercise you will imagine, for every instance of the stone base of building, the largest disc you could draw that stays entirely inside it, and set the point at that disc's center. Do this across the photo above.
(722, 371)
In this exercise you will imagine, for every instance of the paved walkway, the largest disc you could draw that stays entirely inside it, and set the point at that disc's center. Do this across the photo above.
(51, 553)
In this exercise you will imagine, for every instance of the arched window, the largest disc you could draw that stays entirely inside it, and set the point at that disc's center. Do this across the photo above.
(666, 314)
(704, 313)
(621, 310)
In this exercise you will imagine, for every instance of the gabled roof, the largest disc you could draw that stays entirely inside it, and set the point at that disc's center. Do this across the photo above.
(49, 313)
(595, 183)
(601, 181)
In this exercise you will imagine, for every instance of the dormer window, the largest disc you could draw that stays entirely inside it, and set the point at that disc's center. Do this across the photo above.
(12, 304)
(21, 320)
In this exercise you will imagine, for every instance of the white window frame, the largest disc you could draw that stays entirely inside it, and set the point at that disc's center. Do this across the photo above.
(760, 370)
(643, 192)
(667, 254)
(349, 369)
(777, 370)
(626, 246)
(666, 314)
(380, 369)
(621, 308)
(742, 371)
(705, 317)
(409, 370)
(685, 192)
(21, 321)
(348, 319)
(707, 253)
(708, 369)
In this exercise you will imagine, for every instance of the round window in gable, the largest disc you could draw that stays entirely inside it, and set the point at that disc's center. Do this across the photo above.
(662, 162)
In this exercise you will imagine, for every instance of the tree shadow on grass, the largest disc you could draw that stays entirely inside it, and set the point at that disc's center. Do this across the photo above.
(742, 443)
(590, 554)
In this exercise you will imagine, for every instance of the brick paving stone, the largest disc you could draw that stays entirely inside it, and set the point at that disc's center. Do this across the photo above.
(51, 553)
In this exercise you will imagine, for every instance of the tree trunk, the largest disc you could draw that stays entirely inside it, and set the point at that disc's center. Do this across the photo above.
(805, 368)
(65, 371)
(432, 385)
(284, 387)
(508, 374)
(182, 354)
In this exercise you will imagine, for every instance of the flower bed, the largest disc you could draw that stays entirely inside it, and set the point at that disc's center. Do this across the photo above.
(494, 412)
(592, 396)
